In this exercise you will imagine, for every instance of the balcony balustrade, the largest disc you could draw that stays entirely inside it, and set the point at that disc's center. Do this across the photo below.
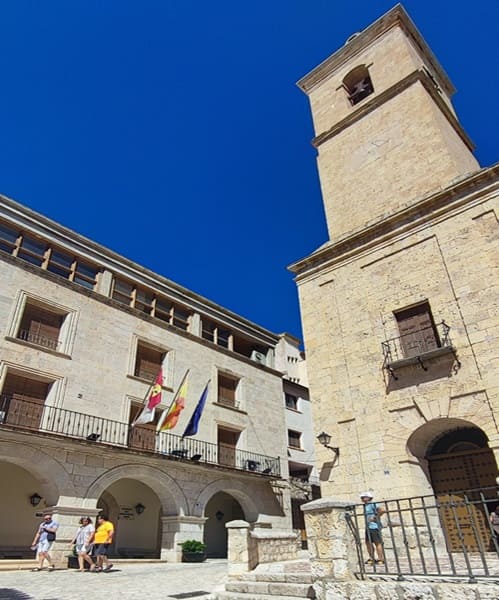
(418, 347)
(27, 414)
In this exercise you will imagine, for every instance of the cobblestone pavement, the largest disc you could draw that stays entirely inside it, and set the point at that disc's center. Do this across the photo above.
(146, 581)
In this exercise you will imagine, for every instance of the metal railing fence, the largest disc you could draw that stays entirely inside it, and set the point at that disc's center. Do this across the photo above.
(446, 536)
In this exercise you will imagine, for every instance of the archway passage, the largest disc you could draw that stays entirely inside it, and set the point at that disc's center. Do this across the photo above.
(220, 509)
(135, 511)
(463, 473)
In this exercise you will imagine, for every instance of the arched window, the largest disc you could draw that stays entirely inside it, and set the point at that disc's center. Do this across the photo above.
(358, 84)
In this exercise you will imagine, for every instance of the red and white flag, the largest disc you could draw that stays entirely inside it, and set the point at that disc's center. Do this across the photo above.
(153, 399)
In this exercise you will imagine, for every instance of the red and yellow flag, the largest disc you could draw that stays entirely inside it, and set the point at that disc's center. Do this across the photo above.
(171, 415)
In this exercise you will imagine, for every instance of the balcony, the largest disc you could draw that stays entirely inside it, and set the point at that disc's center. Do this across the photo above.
(419, 347)
(18, 412)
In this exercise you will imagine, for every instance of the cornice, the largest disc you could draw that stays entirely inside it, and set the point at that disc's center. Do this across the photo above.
(397, 16)
(420, 75)
(411, 217)
(68, 239)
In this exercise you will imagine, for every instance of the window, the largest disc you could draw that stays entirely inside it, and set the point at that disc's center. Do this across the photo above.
(40, 326)
(291, 401)
(22, 401)
(180, 317)
(122, 291)
(142, 436)
(71, 268)
(148, 361)
(227, 390)
(8, 239)
(147, 302)
(143, 301)
(294, 439)
(417, 330)
(32, 251)
(227, 443)
(215, 333)
(358, 84)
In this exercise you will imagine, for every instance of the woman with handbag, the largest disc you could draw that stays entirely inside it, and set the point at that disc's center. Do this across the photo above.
(83, 540)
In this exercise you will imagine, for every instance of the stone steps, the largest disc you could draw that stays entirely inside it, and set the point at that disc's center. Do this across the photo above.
(271, 588)
(276, 581)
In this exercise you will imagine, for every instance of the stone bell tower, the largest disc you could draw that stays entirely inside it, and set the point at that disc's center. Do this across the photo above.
(385, 129)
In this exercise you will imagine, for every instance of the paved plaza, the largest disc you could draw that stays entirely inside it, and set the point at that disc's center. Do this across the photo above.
(136, 581)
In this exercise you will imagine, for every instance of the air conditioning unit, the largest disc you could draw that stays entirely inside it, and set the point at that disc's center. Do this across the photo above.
(258, 357)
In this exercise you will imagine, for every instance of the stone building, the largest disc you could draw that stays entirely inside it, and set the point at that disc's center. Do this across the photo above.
(84, 333)
(303, 477)
(400, 306)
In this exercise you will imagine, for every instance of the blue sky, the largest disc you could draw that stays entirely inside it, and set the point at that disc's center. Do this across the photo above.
(172, 131)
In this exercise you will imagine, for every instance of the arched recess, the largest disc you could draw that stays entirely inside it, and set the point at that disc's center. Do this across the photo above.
(51, 475)
(234, 488)
(172, 498)
(220, 509)
(461, 468)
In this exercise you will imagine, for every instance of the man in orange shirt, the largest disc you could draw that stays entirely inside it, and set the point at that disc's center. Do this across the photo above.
(103, 538)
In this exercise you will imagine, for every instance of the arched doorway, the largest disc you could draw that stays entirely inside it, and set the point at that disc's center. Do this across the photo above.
(463, 471)
(135, 511)
(220, 509)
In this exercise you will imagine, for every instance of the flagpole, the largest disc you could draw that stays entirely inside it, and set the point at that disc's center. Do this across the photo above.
(167, 410)
(148, 393)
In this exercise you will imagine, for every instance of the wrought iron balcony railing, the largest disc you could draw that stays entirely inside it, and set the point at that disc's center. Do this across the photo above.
(20, 412)
(417, 346)
(39, 340)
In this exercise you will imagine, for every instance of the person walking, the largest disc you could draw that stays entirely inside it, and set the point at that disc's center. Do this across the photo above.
(83, 541)
(103, 538)
(372, 513)
(494, 522)
(44, 540)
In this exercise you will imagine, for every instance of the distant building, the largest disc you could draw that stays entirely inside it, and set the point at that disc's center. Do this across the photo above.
(84, 333)
(400, 306)
(303, 477)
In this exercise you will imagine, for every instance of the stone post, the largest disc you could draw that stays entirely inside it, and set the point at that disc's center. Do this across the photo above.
(177, 529)
(331, 545)
(238, 551)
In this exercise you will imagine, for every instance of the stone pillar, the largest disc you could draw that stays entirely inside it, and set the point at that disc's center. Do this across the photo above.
(68, 518)
(177, 529)
(331, 545)
(238, 551)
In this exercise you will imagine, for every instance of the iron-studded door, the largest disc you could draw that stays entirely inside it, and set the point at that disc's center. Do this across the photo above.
(457, 480)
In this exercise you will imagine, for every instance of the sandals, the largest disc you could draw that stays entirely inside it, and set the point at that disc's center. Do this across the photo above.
(369, 561)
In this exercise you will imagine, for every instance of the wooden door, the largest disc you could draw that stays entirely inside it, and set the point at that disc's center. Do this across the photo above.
(417, 330)
(227, 442)
(25, 401)
(458, 477)
(142, 437)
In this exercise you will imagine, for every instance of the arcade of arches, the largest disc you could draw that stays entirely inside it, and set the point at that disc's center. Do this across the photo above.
(152, 510)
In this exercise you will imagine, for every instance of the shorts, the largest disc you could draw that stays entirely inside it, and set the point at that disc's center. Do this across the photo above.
(101, 549)
(374, 536)
(82, 549)
(44, 546)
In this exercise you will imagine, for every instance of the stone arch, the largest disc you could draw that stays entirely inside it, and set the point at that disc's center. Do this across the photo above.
(54, 480)
(231, 487)
(172, 498)
(422, 438)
